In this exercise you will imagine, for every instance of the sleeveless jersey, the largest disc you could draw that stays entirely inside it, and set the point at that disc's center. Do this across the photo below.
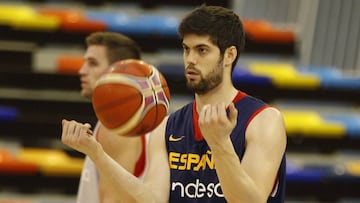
(193, 177)
(88, 191)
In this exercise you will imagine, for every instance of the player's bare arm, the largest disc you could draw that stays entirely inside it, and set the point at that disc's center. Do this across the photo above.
(122, 149)
(78, 136)
(131, 189)
(252, 179)
(158, 175)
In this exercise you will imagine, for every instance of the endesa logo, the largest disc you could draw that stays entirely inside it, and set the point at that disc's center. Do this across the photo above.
(197, 189)
(194, 162)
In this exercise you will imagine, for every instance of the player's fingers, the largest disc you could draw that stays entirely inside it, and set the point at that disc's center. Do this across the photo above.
(86, 129)
(69, 130)
(63, 121)
(64, 128)
(233, 113)
(206, 113)
(77, 129)
(72, 132)
(64, 125)
(87, 125)
(214, 112)
(70, 127)
(221, 111)
(89, 131)
(66, 131)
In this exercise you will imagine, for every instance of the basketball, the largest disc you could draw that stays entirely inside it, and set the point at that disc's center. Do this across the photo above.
(131, 97)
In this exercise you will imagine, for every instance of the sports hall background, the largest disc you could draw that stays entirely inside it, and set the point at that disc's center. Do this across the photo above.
(302, 56)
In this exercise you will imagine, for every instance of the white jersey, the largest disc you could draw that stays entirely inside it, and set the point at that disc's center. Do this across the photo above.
(88, 191)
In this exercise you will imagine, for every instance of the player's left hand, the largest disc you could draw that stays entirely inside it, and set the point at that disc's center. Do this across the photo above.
(216, 125)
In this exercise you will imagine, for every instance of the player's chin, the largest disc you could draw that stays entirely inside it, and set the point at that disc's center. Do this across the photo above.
(191, 82)
(85, 93)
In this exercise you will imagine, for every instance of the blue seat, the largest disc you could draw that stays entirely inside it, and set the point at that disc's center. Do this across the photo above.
(141, 25)
(8, 114)
(315, 173)
(332, 78)
(304, 174)
(351, 123)
(115, 21)
(156, 24)
(241, 76)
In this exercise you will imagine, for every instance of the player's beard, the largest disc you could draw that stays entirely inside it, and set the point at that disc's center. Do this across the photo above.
(208, 82)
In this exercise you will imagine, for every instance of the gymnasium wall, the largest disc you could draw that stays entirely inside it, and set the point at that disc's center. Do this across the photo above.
(328, 30)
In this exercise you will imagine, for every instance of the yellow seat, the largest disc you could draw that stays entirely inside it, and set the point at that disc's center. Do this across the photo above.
(37, 22)
(9, 12)
(52, 162)
(353, 168)
(308, 123)
(285, 75)
(26, 18)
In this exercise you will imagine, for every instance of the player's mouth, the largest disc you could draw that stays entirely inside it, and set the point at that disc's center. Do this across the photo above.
(191, 74)
(82, 82)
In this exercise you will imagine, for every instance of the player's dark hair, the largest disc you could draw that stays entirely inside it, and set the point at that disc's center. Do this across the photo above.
(222, 25)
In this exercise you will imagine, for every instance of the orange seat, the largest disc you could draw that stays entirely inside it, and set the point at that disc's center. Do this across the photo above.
(74, 20)
(263, 31)
(11, 165)
(69, 64)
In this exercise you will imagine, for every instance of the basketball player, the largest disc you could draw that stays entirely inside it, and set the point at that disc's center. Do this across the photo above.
(226, 146)
(104, 48)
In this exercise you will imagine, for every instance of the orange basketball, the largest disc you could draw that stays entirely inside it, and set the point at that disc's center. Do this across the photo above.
(131, 97)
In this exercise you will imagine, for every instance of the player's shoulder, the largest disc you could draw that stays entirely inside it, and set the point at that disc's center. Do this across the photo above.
(270, 111)
(270, 119)
(268, 115)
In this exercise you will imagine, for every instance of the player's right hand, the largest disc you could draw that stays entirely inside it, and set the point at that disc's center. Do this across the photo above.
(78, 136)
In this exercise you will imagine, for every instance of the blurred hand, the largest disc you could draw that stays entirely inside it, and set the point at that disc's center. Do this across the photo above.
(78, 136)
(216, 125)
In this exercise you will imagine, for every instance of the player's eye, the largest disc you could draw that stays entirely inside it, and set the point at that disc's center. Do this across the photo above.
(202, 50)
(186, 49)
(92, 63)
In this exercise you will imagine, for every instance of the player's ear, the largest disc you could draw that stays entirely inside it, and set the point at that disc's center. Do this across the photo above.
(230, 55)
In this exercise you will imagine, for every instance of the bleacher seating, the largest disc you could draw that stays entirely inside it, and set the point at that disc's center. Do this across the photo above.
(59, 22)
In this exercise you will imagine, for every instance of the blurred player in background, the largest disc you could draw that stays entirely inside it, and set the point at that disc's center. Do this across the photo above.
(226, 146)
(103, 49)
